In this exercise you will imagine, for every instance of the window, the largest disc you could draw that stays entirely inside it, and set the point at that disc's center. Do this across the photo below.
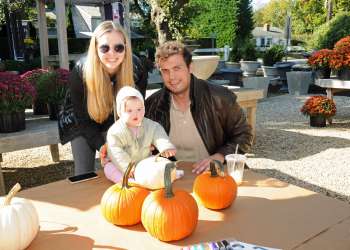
(269, 42)
(262, 42)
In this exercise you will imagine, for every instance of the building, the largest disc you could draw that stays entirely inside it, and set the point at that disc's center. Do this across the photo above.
(267, 36)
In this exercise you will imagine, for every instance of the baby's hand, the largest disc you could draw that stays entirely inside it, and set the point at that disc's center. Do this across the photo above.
(168, 153)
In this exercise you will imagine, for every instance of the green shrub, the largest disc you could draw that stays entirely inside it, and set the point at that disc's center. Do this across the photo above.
(236, 53)
(13, 65)
(248, 51)
(329, 33)
(273, 55)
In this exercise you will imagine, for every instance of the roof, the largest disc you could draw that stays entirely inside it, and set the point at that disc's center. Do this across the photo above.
(273, 32)
(89, 10)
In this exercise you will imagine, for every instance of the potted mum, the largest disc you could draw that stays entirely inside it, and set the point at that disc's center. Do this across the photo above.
(52, 85)
(319, 61)
(39, 105)
(15, 94)
(340, 59)
(319, 108)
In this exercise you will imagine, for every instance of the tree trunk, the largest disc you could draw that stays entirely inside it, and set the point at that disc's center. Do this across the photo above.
(8, 30)
(159, 18)
(329, 10)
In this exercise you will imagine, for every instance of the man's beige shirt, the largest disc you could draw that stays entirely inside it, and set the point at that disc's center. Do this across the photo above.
(185, 136)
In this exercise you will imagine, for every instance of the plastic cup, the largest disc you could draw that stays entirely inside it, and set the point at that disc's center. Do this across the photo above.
(235, 166)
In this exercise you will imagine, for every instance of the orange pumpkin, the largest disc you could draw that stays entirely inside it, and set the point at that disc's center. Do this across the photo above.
(122, 204)
(215, 191)
(169, 215)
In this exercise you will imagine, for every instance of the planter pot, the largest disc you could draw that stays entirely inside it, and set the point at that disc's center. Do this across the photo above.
(299, 82)
(270, 71)
(257, 83)
(249, 67)
(53, 109)
(232, 65)
(12, 122)
(344, 74)
(39, 108)
(318, 121)
(204, 66)
(323, 73)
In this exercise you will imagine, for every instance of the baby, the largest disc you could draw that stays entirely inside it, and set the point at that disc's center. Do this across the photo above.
(130, 138)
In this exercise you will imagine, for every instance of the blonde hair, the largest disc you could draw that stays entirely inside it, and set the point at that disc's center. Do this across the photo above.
(100, 92)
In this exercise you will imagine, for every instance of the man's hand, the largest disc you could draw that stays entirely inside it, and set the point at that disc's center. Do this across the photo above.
(103, 155)
(203, 165)
(168, 153)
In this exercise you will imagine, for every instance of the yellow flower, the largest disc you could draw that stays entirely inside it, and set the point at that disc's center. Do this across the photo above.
(28, 41)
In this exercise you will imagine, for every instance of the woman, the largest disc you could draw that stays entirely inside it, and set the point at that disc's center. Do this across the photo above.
(94, 83)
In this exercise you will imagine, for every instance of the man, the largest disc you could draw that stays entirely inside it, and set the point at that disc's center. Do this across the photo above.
(203, 120)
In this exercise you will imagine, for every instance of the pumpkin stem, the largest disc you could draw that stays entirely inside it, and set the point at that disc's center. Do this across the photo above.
(213, 168)
(157, 157)
(11, 194)
(125, 183)
(167, 180)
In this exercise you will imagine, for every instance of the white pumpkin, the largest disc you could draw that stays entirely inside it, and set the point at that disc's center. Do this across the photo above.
(149, 172)
(19, 222)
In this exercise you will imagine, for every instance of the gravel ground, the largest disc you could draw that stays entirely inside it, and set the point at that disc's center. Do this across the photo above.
(286, 148)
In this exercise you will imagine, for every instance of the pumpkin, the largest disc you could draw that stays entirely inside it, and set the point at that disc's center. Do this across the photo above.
(19, 222)
(169, 215)
(149, 172)
(215, 191)
(121, 204)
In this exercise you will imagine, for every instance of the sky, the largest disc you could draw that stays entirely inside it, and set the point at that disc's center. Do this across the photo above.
(259, 3)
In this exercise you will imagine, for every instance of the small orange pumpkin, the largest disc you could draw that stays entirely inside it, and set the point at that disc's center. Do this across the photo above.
(215, 191)
(169, 215)
(122, 204)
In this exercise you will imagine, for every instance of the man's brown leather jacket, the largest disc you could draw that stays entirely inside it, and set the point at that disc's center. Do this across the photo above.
(219, 119)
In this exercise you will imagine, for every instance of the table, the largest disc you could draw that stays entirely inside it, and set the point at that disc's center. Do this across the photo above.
(333, 85)
(40, 131)
(266, 212)
(247, 98)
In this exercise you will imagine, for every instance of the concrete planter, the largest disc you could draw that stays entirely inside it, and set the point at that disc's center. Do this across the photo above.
(232, 65)
(204, 66)
(299, 82)
(270, 71)
(257, 83)
(249, 67)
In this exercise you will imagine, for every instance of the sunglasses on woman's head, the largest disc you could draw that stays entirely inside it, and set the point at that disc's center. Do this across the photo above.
(119, 48)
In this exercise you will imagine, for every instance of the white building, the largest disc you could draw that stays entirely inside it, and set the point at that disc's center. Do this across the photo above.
(267, 36)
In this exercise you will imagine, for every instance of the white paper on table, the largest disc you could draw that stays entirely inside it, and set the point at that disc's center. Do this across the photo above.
(238, 245)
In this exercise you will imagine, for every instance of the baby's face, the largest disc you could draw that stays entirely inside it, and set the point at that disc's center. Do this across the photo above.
(134, 112)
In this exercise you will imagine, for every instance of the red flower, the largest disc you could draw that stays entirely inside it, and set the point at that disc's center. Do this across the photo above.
(344, 42)
(16, 93)
(341, 55)
(319, 105)
(320, 58)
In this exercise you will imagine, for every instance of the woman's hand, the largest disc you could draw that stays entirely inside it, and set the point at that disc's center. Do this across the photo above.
(168, 153)
(103, 155)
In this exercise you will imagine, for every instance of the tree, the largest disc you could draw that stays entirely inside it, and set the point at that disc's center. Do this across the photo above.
(274, 13)
(241, 43)
(245, 21)
(170, 17)
(329, 33)
(308, 16)
(217, 17)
